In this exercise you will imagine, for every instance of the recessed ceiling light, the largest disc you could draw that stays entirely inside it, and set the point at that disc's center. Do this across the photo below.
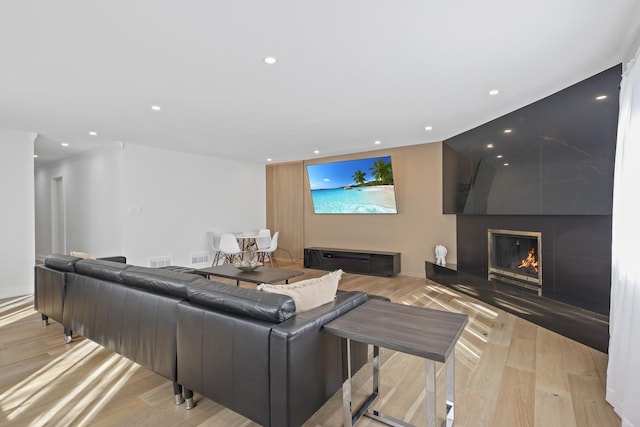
(601, 97)
(35, 156)
(92, 133)
(507, 131)
(494, 92)
(428, 127)
(506, 164)
(316, 151)
(270, 60)
(269, 159)
(377, 142)
(65, 144)
(489, 145)
(499, 156)
(156, 107)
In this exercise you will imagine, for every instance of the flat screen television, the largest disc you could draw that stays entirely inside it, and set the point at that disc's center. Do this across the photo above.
(361, 186)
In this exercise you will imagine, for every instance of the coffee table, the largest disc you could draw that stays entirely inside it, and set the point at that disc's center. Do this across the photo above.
(424, 332)
(260, 275)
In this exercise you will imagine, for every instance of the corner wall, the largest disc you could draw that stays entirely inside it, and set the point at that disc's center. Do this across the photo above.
(17, 252)
(144, 202)
(414, 231)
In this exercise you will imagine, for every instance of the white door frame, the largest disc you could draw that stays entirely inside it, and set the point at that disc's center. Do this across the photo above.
(58, 217)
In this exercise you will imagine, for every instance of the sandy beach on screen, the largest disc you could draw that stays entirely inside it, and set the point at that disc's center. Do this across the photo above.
(383, 188)
(385, 195)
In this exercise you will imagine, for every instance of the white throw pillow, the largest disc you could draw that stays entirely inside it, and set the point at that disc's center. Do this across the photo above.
(83, 255)
(310, 293)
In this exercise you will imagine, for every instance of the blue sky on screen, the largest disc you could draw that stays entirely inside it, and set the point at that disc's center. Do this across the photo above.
(338, 174)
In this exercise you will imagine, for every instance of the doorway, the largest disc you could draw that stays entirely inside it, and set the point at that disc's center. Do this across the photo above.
(58, 217)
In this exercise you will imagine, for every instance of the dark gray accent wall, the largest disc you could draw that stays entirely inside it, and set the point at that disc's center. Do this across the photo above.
(557, 159)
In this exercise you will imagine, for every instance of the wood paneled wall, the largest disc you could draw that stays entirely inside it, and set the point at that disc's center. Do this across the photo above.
(285, 207)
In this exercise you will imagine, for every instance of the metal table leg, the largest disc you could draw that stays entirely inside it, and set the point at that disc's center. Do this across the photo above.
(451, 386)
(430, 397)
(365, 408)
(349, 419)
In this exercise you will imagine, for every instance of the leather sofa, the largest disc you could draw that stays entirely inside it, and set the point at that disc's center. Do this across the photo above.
(245, 349)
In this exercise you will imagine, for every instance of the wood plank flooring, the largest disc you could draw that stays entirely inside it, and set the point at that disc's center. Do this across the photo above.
(509, 372)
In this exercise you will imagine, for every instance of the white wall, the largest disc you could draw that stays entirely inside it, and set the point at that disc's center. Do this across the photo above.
(144, 202)
(17, 252)
(171, 199)
(631, 51)
(93, 206)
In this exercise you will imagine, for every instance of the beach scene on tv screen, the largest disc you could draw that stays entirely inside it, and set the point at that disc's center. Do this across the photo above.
(362, 186)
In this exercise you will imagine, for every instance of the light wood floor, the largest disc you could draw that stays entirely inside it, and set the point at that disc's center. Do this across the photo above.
(509, 372)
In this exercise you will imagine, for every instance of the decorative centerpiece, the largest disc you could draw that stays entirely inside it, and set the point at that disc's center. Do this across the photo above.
(245, 265)
(248, 264)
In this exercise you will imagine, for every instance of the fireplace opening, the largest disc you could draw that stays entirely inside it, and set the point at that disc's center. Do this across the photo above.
(515, 258)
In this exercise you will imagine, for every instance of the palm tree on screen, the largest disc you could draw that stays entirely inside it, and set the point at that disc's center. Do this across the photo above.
(358, 177)
(382, 172)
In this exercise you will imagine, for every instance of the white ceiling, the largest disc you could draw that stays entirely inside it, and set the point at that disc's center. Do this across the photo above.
(349, 72)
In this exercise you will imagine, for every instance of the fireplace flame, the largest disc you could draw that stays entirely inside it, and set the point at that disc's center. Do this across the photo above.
(530, 263)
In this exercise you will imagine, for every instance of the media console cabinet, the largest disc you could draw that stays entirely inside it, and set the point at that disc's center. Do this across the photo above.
(374, 263)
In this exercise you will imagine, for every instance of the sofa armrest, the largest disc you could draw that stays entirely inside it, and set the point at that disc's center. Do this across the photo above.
(306, 364)
(49, 287)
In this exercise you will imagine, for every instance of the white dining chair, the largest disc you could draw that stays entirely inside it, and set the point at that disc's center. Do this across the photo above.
(214, 238)
(269, 253)
(264, 232)
(263, 241)
(230, 248)
(262, 245)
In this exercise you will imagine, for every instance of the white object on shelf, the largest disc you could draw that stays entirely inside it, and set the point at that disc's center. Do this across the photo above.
(441, 253)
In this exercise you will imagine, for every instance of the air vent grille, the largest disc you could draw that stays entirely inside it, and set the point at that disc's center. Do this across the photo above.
(159, 262)
(201, 258)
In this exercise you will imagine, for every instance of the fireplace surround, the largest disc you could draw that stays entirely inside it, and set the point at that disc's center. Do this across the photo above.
(514, 258)
(576, 253)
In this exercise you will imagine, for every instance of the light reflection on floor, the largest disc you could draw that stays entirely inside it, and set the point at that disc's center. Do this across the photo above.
(15, 309)
(73, 405)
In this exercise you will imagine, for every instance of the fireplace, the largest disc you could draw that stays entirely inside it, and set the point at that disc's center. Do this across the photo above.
(515, 258)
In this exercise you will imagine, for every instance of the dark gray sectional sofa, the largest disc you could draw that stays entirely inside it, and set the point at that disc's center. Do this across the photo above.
(246, 349)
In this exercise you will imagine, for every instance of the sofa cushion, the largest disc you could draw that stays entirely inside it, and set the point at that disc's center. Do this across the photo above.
(310, 293)
(101, 269)
(115, 258)
(246, 302)
(158, 281)
(61, 262)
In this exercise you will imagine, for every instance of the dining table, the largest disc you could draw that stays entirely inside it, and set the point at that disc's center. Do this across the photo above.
(246, 239)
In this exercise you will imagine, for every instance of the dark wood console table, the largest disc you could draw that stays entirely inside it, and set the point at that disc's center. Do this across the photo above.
(423, 332)
(376, 263)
